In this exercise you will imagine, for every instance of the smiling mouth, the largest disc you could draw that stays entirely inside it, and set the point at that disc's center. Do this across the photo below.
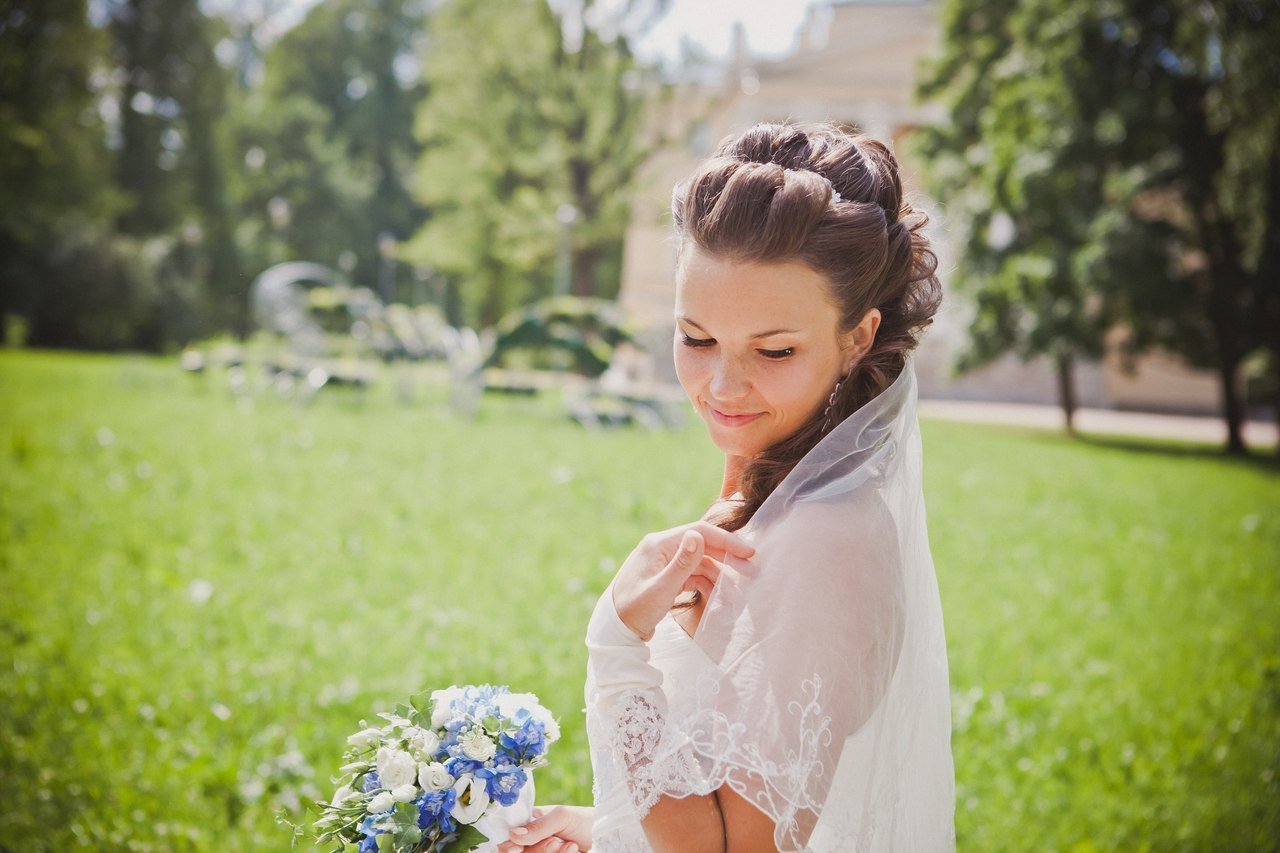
(732, 420)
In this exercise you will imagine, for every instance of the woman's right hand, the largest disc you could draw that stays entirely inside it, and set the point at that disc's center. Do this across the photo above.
(554, 829)
(683, 559)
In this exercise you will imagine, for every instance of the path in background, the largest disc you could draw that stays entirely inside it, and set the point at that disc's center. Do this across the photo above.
(1256, 433)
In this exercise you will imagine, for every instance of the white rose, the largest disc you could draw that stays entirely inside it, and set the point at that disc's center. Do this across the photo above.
(471, 790)
(395, 767)
(433, 777)
(477, 745)
(442, 705)
(405, 793)
(368, 737)
(382, 802)
(424, 742)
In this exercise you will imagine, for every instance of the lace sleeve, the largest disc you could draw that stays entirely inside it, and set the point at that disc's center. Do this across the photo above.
(627, 715)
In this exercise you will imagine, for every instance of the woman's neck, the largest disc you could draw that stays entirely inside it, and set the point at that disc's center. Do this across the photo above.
(733, 468)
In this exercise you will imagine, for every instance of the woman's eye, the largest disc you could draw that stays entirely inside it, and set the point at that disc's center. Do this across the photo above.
(696, 342)
(777, 353)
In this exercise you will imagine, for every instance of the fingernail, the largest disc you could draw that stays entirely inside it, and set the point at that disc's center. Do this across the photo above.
(690, 545)
(519, 830)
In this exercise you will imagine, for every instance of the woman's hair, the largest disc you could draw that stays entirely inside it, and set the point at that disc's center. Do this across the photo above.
(831, 200)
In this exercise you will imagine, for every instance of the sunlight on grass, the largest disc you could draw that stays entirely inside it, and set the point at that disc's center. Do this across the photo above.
(204, 595)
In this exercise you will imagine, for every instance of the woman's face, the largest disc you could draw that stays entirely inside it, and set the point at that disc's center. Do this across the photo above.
(758, 347)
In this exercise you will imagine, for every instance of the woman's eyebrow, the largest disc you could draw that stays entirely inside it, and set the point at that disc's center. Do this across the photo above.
(756, 336)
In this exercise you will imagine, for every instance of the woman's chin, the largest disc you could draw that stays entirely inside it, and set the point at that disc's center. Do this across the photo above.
(732, 444)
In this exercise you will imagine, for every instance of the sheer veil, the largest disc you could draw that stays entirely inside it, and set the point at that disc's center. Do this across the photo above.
(823, 698)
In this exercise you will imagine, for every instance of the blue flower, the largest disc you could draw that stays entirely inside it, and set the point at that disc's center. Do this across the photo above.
(528, 741)
(503, 782)
(479, 699)
(435, 808)
(459, 764)
(369, 844)
(371, 783)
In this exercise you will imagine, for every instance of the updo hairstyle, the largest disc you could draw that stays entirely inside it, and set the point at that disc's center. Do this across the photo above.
(831, 200)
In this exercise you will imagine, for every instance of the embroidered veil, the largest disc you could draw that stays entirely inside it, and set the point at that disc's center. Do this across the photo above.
(823, 698)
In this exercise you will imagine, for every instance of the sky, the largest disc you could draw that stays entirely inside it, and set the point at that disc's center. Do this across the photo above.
(770, 26)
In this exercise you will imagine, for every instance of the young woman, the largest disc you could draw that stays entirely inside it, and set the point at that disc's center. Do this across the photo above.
(774, 676)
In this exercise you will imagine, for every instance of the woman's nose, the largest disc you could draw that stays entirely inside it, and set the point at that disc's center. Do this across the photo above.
(729, 381)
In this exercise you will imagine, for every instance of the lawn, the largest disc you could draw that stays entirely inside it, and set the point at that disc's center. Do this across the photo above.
(202, 595)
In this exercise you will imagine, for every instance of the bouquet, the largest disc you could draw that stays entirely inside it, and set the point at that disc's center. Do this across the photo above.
(449, 772)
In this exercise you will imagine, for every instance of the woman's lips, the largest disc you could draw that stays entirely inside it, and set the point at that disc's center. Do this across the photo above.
(729, 420)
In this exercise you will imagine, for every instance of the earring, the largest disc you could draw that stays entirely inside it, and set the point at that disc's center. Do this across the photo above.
(831, 401)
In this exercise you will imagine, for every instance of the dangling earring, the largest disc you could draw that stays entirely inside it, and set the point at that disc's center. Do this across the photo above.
(831, 401)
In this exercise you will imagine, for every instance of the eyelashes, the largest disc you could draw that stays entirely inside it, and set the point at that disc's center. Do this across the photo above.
(773, 354)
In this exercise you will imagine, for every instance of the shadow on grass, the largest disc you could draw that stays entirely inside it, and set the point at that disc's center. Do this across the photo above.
(1264, 459)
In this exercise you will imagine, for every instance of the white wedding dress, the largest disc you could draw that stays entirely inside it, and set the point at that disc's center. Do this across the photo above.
(816, 683)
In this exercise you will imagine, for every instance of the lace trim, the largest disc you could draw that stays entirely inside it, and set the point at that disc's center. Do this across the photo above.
(643, 748)
(621, 841)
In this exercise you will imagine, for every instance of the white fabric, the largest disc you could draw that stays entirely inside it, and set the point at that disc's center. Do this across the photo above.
(496, 826)
(817, 688)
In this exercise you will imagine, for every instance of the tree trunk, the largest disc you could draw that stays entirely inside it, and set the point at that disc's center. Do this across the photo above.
(584, 271)
(1067, 390)
(1275, 396)
(1232, 406)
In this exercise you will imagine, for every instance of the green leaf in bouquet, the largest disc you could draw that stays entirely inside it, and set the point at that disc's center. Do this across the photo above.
(467, 838)
(421, 703)
(408, 838)
(492, 723)
(403, 710)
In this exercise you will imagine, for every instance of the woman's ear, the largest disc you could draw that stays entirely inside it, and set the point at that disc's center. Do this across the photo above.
(860, 338)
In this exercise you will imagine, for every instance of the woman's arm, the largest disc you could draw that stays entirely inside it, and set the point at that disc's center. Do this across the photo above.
(722, 822)
(632, 706)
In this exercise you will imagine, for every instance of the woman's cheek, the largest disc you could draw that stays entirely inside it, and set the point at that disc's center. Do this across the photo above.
(690, 369)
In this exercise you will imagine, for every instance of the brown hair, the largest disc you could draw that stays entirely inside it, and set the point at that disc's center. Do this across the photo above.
(769, 195)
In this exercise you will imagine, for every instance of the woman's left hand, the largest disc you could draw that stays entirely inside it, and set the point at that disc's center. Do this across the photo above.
(683, 559)
(554, 829)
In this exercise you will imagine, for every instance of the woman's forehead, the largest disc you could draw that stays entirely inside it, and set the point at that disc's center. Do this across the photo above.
(751, 296)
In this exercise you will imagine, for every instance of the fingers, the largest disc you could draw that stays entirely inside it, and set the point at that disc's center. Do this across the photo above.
(689, 554)
(721, 540)
(554, 844)
(542, 827)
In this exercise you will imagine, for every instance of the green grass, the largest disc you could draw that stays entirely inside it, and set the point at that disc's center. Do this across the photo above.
(1111, 612)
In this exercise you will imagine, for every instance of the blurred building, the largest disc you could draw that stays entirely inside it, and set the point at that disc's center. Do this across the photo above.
(855, 63)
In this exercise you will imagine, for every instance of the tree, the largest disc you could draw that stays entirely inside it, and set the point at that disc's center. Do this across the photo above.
(1102, 133)
(531, 112)
(173, 155)
(328, 136)
(53, 165)
(54, 168)
(1216, 66)
(1027, 161)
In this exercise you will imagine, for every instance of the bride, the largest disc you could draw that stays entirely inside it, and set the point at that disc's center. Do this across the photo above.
(774, 676)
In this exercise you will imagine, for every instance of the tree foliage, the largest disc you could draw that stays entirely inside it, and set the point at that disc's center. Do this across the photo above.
(179, 147)
(329, 135)
(530, 111)
(1112, 165)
